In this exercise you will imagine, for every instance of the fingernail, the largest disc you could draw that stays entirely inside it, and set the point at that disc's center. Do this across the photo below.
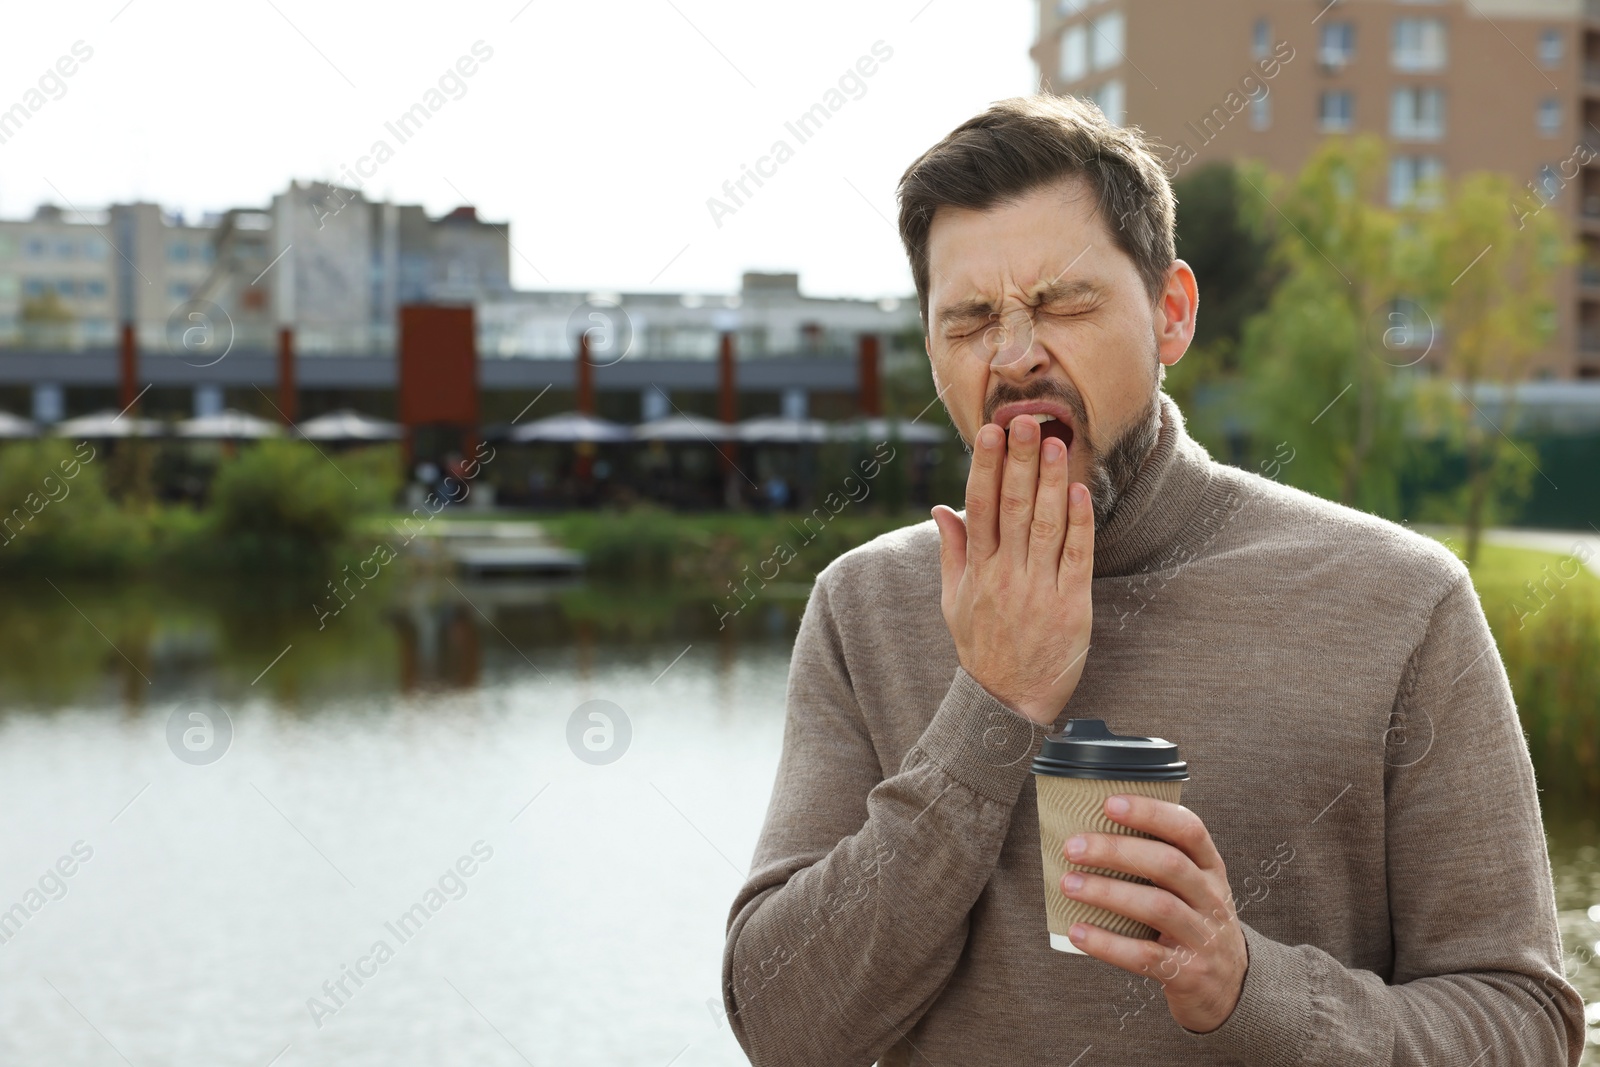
(1117, 806)
(1075, 846)
(989, 436)
(1080, 494)
(1072, 882)
(1054, 449)
(1076, 932)
(1023, 427)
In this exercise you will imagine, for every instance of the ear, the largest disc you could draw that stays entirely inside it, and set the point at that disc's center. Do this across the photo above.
(1175, 313)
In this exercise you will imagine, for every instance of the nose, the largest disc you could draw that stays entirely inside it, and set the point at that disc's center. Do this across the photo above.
(1009, 344)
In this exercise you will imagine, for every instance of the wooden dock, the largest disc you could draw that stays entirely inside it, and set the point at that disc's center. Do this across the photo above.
(486, 547)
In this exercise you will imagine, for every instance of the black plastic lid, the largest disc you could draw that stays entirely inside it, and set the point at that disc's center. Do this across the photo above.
(1086, 749)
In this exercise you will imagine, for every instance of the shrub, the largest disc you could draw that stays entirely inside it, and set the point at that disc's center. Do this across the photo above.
(56, 514)
(282, 505)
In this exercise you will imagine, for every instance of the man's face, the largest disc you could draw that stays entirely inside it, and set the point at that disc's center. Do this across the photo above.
(1034, 310)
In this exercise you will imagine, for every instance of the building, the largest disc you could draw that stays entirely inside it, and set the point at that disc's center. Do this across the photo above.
(1452, 86)
(321, 257)
(208, 302)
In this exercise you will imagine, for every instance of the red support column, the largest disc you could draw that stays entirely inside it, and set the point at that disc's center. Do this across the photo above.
(585, 370)
(868, 393)
(727, 396)
(438, 373)
(287, 396)
(128, 368)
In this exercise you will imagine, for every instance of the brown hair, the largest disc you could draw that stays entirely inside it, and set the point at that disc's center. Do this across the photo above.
(1026, 142)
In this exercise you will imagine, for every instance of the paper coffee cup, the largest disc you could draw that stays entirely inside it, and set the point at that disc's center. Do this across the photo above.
(1074, 772)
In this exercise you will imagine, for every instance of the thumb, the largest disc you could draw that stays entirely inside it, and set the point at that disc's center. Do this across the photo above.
(952, 546)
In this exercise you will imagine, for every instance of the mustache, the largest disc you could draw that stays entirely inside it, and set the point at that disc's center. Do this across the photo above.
(1061, 392)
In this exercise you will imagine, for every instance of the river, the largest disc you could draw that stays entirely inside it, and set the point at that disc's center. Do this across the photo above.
(250, 800)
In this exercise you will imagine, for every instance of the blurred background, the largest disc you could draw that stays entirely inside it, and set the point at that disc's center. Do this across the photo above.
(420, 428)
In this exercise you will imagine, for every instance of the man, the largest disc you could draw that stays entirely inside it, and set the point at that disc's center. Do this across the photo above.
(1357, 873)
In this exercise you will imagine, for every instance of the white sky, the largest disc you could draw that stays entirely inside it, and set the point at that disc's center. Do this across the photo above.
(597, 129)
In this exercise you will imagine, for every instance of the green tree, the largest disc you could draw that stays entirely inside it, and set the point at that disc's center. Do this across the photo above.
(1315, 360)
(1225, 234)
(1488, 286)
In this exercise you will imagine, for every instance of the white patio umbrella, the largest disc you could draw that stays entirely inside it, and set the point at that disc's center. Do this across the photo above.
(347, 425)
(684, 428)
(107, 424)
(915, 433)
(570, 427)
(776, 429)
(12, 426)
(228, 425)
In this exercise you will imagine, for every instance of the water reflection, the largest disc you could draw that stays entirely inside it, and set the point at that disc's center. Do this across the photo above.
(225, 910)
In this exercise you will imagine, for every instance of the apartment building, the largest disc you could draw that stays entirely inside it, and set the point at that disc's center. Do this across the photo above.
(320, 257)
(1452, 86)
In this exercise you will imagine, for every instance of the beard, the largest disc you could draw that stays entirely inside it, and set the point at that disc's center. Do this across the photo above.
(1112, 467)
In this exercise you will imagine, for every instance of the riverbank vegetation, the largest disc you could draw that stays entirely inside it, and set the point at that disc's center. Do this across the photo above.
(86, 508)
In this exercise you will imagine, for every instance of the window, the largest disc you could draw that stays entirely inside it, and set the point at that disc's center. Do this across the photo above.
(1417, 114)
(1338, 44)
(35, 248)
(1261, 38)
(64, 248)
(33, 287)
(178, 252)
(66, 287)
(1336, 112)
(1419, 44)
(94, 248)
(1550, 48)
(1106, 42)
(1549, 116)
(94, 287)
(1408, 175)
(1074, 53)
(1547, 183)
(178, 291)
(1261, 111)
(1110, 98)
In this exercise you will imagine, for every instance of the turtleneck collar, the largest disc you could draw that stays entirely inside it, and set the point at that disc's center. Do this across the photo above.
(1173, 503)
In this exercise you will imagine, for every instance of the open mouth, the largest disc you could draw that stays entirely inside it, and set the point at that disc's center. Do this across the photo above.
(1050, 426)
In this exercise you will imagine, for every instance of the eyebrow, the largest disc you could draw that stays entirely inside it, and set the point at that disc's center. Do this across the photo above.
(978, 308)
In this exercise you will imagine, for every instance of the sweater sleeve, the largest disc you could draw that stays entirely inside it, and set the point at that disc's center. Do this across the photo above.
(1478, 969)
(856, 908)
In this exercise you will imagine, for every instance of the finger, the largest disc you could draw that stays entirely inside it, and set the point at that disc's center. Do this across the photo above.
(1163, 864)
(1151, 905)
(983, 493)
(952, 547)
(1018, 486)
(1133, 954)
(1077, 553)
(1168, 822)
(1049, 508)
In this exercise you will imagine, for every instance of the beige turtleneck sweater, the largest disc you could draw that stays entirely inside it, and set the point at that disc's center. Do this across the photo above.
(1352, 746)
